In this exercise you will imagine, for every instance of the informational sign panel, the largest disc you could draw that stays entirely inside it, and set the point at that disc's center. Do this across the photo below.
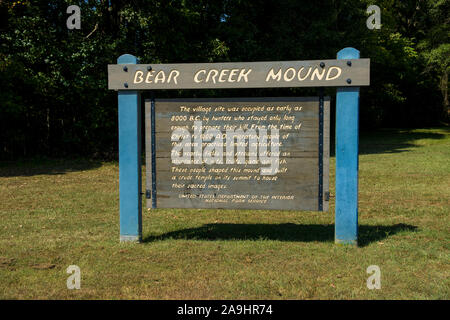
(314, 73)
(246, 153)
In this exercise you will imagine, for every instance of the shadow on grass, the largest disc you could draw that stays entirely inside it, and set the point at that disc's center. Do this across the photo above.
(393, 140)
(28, 168)
(390, 140)
(280, 232)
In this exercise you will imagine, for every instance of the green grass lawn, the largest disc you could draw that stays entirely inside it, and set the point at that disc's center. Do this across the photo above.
(55, 213)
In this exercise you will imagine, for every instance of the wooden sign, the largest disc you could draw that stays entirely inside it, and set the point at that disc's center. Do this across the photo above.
(278, 153)
(314, 73)
(248, 153)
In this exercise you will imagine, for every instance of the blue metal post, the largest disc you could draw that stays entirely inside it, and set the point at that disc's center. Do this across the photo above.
(347, 115)
(130, 159)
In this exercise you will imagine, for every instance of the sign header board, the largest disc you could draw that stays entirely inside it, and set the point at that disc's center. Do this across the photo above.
(313, 73)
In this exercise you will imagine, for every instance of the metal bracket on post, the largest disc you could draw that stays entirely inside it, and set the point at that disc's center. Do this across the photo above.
(153, 146)
(129, 159)
(321, 115)
(347, 116)
(150, 152)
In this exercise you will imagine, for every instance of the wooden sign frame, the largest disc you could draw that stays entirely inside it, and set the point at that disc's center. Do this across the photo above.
(347, 115)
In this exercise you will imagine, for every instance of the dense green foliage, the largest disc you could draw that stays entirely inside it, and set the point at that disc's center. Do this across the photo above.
(54, 97)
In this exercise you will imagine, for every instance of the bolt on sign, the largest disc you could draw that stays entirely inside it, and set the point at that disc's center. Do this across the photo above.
(239, 153)
(248, 153)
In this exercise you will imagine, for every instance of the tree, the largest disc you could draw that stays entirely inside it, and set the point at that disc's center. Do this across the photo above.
(54, 97)
(435, 47)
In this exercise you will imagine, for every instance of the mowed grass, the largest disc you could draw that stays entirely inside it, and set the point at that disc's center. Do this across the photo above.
(56, 213)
